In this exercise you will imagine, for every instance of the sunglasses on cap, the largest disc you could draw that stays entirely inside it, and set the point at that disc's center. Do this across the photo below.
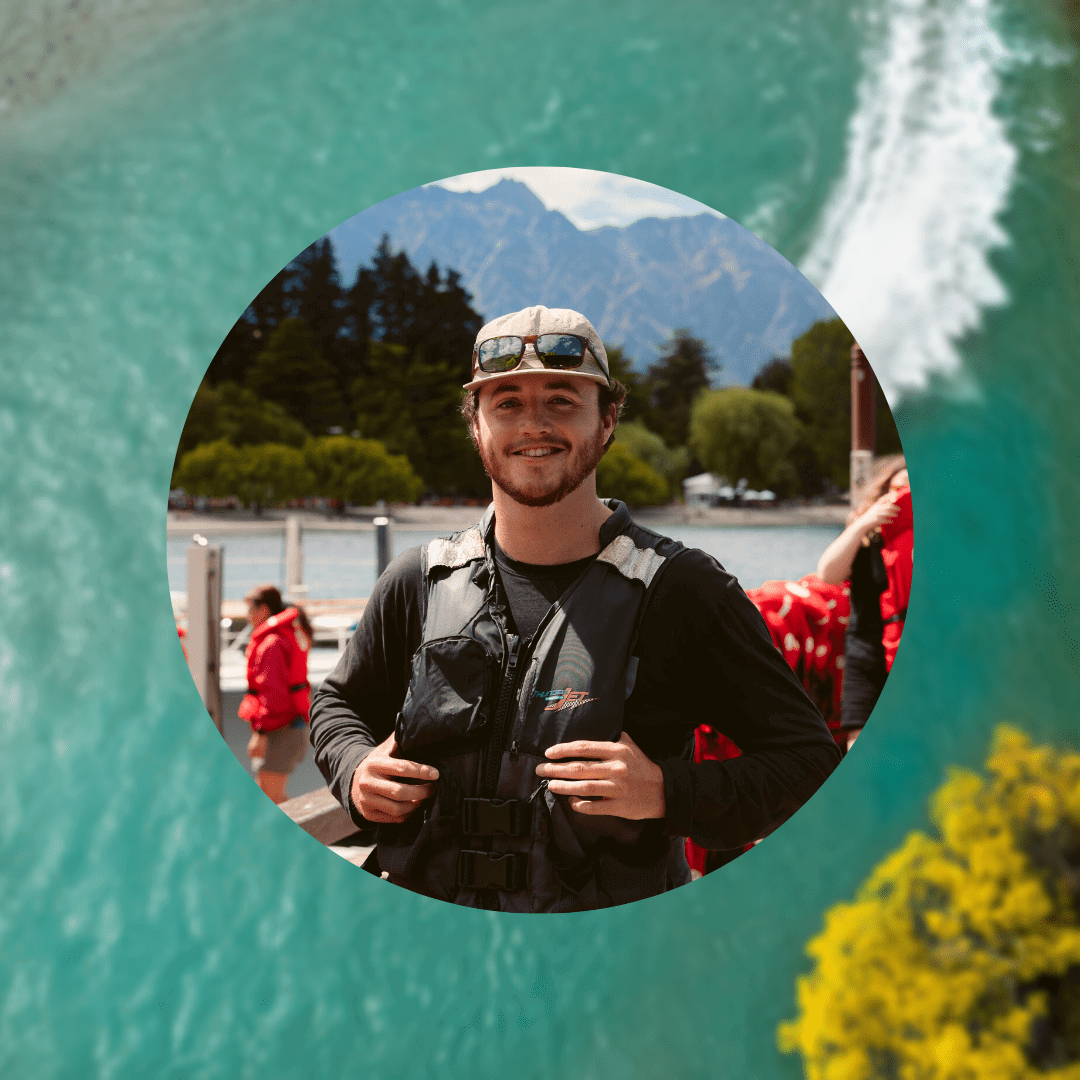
(562, 352)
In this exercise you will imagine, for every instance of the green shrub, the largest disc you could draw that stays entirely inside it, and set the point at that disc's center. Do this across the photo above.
(623, 476)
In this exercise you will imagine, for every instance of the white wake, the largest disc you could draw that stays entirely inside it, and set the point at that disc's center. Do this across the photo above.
(902, 250)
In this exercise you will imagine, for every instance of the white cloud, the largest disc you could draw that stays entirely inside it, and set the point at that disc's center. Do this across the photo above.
(589, 199)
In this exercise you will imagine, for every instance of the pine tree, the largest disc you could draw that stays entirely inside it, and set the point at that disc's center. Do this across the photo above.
(293, 372)
(250, 333)
(674, 381)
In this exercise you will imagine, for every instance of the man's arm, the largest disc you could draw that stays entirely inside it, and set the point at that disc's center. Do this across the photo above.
(707, 658)
(354, 709)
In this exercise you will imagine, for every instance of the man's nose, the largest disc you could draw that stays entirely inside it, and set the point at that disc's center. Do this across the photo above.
(533, 418)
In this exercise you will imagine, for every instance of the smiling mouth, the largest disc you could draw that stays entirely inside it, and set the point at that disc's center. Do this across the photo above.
(537, 451)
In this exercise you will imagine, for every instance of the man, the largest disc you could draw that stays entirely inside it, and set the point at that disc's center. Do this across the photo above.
(514, 708)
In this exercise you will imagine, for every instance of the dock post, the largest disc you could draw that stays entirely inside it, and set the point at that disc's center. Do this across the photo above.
(863, 416)
(204, 565)
(384, 548)
(294, 558)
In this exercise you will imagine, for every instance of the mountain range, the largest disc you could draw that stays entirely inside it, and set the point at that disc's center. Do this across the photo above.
(636, 283)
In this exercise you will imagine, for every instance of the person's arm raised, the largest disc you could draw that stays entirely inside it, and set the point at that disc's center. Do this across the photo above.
(836, 560)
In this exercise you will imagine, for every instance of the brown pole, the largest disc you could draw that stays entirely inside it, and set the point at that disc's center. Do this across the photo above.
(863, 414)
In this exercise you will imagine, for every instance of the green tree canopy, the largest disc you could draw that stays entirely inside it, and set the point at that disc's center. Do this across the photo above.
(292, 372)
(821, 390)
(257, 475)
(237, 414)
(624, 476)
(410, 401)
(820, 386)
(775, 376)
(670, 464)
(959, 959)
(740, 433)
(316, 297)
(621, 367)
(272, 473)
(674, 382)
(250, 333)
(209, 469)
(360, 471)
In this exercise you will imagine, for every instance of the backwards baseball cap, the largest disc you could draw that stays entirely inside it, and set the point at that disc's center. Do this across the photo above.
(537, 340)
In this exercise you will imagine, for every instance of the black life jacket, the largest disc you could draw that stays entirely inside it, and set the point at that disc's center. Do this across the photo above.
(483, 706)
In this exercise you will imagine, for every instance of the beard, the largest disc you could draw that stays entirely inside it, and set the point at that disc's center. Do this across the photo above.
(545, 492)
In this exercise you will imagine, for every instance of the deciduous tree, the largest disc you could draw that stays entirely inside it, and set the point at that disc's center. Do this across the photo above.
(237, 414)
(361, 471)
(740, 433)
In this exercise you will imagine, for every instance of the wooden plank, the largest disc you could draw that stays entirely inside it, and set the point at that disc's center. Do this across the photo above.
(357, 854)
(320, 815)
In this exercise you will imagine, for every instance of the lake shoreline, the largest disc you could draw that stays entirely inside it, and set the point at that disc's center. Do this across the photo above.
(451, 518)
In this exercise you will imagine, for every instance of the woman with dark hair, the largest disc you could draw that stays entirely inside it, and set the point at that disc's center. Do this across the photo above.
(874, 553)
(278, 697)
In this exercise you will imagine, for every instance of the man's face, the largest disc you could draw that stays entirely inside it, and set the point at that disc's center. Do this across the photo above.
(541, 435)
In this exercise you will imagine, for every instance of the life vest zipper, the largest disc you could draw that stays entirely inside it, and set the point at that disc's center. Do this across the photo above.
(507, 696)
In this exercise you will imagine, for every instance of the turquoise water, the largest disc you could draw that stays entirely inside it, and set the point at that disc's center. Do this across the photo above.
(157, 916)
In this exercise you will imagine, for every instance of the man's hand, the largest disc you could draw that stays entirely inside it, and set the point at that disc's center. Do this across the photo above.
(378, 790)
(620, 782)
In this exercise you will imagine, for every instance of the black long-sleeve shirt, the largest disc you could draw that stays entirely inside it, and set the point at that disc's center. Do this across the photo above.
(705, 658)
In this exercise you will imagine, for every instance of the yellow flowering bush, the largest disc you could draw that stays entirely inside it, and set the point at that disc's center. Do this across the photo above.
(959, 959)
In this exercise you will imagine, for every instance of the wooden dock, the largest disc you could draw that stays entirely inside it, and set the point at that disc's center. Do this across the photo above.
(320, 815)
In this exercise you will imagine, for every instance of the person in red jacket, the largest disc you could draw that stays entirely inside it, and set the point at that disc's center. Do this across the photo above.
(874, 554)
(278, 698)
(897, 542)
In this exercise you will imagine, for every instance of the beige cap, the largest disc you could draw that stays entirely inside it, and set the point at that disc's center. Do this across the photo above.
(541, 320)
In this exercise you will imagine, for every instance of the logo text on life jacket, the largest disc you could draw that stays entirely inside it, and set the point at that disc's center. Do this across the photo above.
(563, 699)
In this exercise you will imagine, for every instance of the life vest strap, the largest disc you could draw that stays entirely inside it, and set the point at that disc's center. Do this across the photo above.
(486, 817)
(900, 616)
(488, 870)
(298, 686)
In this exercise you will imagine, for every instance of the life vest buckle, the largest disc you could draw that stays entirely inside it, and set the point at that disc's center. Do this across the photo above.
(490, 870)
(486, 817)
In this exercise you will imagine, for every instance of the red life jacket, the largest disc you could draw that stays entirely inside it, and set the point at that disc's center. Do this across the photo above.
(807, 620)
(269, 708)
(898, 538)
(709, 745)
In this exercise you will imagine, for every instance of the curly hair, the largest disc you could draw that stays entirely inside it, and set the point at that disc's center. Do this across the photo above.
(608, 396)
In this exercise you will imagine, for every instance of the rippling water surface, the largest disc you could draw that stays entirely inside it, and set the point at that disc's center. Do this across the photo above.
(157, 916)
